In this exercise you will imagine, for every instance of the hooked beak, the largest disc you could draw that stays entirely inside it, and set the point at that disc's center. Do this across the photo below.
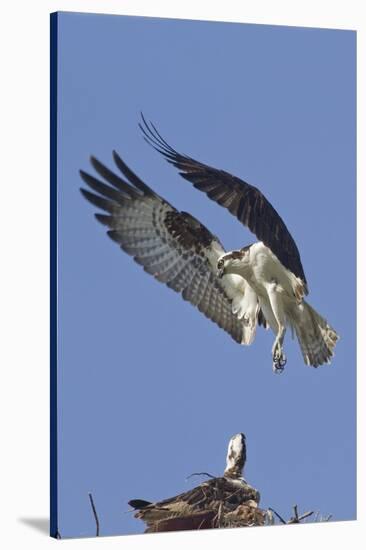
(220, 272)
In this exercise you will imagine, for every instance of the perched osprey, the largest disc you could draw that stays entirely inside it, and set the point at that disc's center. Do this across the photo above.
(263, 283)
(225, 501)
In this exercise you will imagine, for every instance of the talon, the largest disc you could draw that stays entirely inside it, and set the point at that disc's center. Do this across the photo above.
(282, 361)
(278, 367)
(279, 362)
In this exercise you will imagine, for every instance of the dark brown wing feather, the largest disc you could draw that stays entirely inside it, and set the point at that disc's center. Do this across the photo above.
(170, 245)
(243, 200)
(212, 490)
(243, 516)
(197, 508)
(201, 520)
(206, 495)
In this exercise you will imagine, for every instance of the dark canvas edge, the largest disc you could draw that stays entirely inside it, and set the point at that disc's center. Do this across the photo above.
(53, 277)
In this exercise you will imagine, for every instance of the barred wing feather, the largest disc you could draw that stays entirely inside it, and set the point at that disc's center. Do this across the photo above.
(168, 244)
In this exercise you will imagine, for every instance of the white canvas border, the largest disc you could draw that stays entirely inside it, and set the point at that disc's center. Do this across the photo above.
(24, 275)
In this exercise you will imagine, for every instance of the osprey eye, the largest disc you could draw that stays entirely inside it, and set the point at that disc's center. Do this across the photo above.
(220, 264)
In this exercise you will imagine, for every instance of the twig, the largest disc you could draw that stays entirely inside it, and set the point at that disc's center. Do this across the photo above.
(219, 515)
(200, 525)
(269, 517)
(95, 514)
(306, 515)
(278, 515)
(296, 518)
(200, 474)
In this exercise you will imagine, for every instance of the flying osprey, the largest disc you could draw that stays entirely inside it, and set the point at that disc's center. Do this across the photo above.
(225, 501)
(263, 283)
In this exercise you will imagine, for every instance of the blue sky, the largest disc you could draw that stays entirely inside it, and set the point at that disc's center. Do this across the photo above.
(150, 390)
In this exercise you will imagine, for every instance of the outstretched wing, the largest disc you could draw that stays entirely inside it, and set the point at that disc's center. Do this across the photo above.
(243, 200)
(170, 245)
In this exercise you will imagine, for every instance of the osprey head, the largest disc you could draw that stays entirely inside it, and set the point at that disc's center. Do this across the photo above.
(236, 456)
(233, 262)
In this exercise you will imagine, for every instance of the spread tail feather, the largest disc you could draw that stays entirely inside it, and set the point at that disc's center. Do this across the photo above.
(316, 337)
(138, 503)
